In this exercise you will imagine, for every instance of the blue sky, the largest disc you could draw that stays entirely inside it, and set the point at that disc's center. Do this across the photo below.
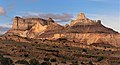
(106, 10)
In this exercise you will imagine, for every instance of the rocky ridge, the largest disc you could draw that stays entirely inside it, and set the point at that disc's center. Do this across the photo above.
(29, 27)
(82, 30)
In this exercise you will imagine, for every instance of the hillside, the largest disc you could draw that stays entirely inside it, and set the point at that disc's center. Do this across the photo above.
(63, 51)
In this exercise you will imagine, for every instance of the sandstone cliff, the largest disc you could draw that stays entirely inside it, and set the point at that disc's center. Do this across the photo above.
(86, 25)
(29, 27)
(82, 30)
(51, 30)
(83, 20)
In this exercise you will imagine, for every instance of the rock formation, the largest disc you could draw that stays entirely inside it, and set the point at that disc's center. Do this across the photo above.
(29, 27)
(81, 16)
(82, 30)
(86, 25)
(82, 20)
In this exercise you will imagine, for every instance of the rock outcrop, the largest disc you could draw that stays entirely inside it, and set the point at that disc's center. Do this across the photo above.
(29, 27)
(27, 23)
(82, 30)
(86, 25)
(82, 20)
(90, 38)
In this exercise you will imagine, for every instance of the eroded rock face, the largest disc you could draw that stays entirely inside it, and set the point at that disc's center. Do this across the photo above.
(81, 16)
(83, 20)
(82, 30)
(90, 38)
(51, 30)
(27, 23)
(86, 25)
(29, 27)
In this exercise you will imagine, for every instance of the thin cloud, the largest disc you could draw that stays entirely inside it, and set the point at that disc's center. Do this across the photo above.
(9, 25)
(3, 29)
(64, 17)
(2, 11)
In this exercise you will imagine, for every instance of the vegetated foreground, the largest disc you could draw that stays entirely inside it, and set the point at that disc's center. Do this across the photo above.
(57, 52)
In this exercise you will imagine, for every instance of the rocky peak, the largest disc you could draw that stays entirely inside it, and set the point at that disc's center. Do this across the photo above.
(50, 21)
(83, 20)
(81, 16)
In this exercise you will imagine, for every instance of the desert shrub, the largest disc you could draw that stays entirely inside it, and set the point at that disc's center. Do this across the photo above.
(112, 53)
(97, 53)
(100, 58)
(53, 60)
(25, 38)
(84, 50)
(22, 62)
(6, 61)
(52, 50)
(119, 62)
(45, 63)
(55, 47)
(36, 42)
(91, 63)
(12, 49)
(22, 50)
(74, 41)
(63, 40)
(33, 44)
(1, 56)
(45, 40)
(46, 59)
(56, 64)
(74, 63)
(34, 62)
(82, 63)
(25, 55)
(63, 61)
(8, 35)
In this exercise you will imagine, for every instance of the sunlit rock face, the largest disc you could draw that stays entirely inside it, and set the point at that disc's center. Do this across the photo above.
(81, 16)
(82, 30)
(27, 23)
(85, 25)
(29, 27)
(82, 20)
(90, 38)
